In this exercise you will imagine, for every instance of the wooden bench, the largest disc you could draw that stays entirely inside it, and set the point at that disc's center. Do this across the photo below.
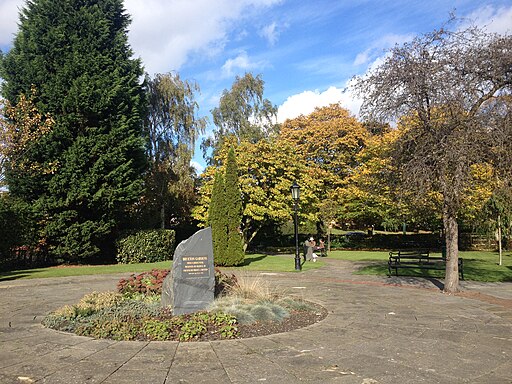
(418, 259)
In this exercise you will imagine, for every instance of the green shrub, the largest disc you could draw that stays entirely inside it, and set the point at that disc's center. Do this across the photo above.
(197, 324)
(105, 328)
(17, 233)
(160, 330)
(146, 246)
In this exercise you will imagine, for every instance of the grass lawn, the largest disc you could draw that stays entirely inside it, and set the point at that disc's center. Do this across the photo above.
(478, 265)
(257, 262)
(275, 263)
(62, 271)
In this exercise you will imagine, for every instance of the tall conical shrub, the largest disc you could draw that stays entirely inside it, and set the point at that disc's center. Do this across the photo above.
(233, 201)
(217, 219)
(225, 216)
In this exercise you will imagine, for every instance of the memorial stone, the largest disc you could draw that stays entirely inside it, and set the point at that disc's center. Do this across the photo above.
(190, 286)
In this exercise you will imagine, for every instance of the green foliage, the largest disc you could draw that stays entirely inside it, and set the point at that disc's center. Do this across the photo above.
(232, 193)
(172, 126)
(267, 169)
(17, 230)
(157, 329)
(146, 246)
(499, 204)
(131, 320)
(217, 214)
(90, 86)
(101, 328)
(225, 214)
(243, 115)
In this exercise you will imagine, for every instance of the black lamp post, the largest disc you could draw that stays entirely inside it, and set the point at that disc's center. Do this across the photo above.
(296, 195)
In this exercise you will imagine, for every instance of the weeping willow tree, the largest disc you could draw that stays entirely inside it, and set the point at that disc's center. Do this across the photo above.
(172, 127)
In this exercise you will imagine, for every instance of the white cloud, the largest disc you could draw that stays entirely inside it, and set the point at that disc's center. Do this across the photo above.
(270, 33)
(240, 63)
(378, 47)
(165, 33)
(304, 103)
(8, 20)
(494, 20)
(362, 57)
(198, 167)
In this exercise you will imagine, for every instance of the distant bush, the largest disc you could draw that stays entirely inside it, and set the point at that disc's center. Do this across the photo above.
(146, 246)
(17, 233)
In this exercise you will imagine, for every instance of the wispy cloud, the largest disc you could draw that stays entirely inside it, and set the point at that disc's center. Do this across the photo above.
(272, 31)
(198, 167)
(378, 48)
(329, 66)
(497, 20)
(241, 63)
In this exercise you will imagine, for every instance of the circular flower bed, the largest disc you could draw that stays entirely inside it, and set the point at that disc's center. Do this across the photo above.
(242, 308)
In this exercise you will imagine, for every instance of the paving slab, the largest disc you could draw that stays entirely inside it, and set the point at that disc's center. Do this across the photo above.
(378, 330)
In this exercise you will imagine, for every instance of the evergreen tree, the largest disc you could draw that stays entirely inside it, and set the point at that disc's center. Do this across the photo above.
(217, 214)
(233, 201)
(76, 54)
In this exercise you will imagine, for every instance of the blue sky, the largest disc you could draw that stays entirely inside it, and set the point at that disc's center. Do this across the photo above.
(306, 51)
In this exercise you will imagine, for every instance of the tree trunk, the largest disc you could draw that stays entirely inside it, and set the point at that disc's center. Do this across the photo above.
(499, 240)
(162, 216)
(329, 238)
(451, 284)
(248, 239)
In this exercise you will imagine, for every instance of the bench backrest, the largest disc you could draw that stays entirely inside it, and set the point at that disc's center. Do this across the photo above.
(410, 253)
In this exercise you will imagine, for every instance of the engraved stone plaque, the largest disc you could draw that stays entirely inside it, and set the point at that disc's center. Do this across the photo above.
(191, 284)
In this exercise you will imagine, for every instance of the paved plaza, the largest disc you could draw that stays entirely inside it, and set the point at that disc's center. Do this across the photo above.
(378, 330)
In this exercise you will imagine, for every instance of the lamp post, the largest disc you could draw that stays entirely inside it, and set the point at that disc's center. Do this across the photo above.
(296, 195)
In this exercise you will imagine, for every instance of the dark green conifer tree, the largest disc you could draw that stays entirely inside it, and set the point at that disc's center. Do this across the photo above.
(76, 54)
(233, 201)
(217, 215)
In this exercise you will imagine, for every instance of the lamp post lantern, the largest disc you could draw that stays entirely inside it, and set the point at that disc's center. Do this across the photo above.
(295, 196)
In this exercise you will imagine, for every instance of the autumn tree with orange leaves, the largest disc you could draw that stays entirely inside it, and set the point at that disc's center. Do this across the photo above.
(329, 141)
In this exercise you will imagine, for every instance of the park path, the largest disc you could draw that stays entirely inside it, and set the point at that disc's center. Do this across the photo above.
(379, 330)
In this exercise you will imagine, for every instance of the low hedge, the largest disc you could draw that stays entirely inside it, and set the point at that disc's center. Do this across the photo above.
(146, 246)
